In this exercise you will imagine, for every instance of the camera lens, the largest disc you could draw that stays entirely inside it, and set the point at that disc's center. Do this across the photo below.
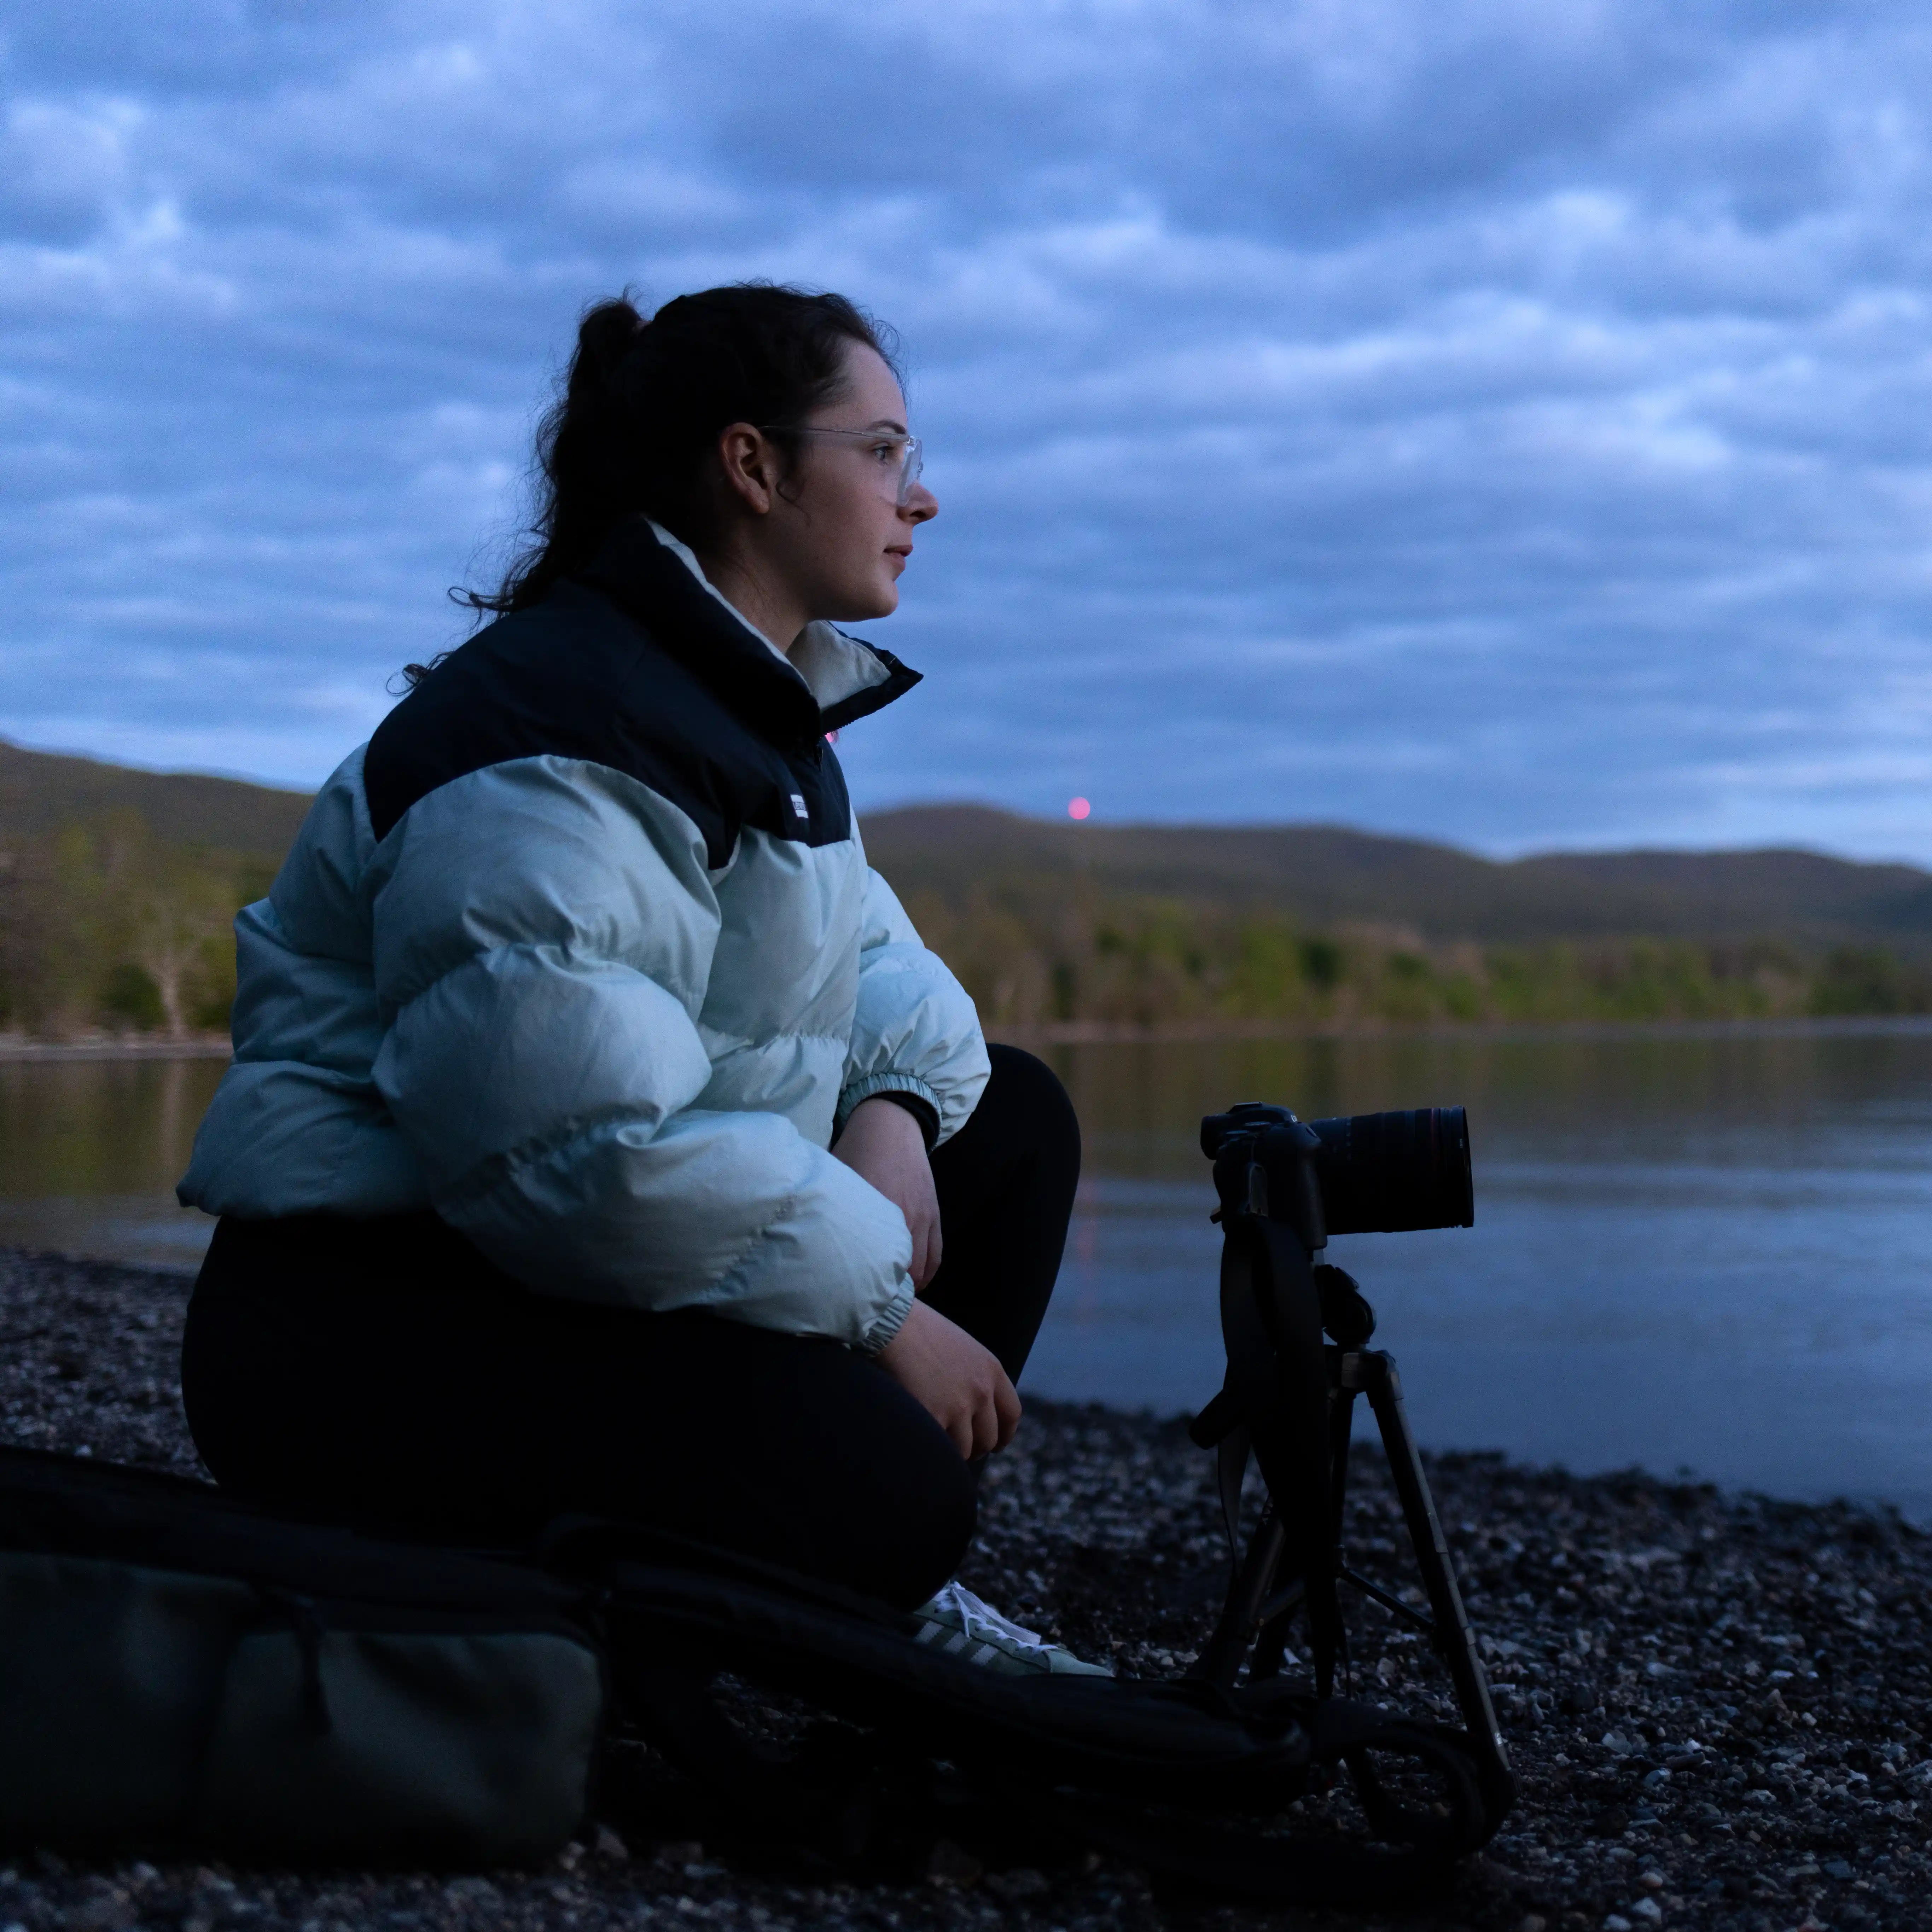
(1382, 1174)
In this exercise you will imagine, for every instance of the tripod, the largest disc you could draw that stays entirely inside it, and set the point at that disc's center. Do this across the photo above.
(1289, 1402)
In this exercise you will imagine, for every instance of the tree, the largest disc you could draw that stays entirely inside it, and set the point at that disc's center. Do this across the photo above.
(175, 914)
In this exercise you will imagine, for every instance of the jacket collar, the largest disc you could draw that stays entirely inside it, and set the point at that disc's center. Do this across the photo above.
(829, 679)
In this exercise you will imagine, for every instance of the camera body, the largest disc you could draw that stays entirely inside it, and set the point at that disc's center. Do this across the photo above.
(1358, 1174)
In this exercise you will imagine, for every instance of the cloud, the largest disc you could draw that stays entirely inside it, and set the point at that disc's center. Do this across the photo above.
(1504, 422)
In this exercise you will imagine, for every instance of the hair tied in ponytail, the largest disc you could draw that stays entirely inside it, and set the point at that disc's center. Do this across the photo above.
(608, 333)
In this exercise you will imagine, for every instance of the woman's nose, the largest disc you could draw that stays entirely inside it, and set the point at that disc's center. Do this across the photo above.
(920, 506)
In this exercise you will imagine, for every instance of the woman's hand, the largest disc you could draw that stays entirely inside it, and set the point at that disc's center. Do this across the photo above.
(882, 1143)
(958, 1383)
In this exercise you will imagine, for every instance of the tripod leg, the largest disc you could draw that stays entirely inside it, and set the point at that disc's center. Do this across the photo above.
(1454, 1639)
(1220, 1662)
(1341, 1424)
(1271, 1645)
(1341, 1428)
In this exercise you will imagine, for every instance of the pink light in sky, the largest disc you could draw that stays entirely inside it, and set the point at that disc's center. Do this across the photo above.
(1077, 807)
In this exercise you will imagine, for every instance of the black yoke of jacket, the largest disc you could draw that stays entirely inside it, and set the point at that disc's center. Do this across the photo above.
(636, 666)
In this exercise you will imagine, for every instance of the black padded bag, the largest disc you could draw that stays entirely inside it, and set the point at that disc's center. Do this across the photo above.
(179, 1672)
(1182, 1777)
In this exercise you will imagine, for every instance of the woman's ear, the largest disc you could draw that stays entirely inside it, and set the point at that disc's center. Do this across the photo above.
(750, 466)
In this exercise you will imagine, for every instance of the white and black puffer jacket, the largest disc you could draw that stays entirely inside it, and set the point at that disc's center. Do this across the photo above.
(582, 952)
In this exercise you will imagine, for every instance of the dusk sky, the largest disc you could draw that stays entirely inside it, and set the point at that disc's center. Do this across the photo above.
(1510, 424)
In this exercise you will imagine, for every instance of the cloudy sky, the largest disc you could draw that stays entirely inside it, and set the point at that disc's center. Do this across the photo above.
(1505, 422)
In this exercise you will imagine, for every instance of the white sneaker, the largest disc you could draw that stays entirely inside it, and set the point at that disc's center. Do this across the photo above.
(957, 1622)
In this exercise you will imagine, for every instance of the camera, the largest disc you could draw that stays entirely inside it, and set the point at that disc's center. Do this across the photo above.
(1359, 1173)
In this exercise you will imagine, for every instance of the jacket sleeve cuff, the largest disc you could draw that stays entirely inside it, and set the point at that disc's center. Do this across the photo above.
(906, 1089)
(892, 1319)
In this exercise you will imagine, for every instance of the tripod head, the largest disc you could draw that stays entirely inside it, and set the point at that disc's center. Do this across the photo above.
(1266, 1163)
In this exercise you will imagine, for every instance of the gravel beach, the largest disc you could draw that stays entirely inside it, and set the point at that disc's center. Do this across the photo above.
(1718, 1705)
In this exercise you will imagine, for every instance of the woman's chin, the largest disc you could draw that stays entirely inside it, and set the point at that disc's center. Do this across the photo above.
(876, 600)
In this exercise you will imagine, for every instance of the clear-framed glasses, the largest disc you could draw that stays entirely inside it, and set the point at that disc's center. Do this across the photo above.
(900, 459)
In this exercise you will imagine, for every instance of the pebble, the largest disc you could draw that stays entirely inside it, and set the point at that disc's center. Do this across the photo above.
(1719, 1706)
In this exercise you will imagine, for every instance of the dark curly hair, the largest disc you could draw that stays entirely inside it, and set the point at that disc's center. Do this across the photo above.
(645, 400)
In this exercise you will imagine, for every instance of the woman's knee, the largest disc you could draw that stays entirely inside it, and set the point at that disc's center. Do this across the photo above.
(825, 1463)
(1027, 1098)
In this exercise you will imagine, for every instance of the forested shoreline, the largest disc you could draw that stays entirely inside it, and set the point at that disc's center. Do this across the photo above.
(105, 926)
(1112, 960)
(118, 889)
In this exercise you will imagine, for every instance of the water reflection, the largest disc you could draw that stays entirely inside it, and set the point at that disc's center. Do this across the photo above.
(1712, 1253)
(90, 1151)
(1708, 1252)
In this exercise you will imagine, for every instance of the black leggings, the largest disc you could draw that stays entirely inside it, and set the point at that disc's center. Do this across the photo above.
(383, 1372)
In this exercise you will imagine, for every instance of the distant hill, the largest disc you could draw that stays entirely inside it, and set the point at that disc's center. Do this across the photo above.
(118, 888)
(41, 791)
(1319, 875)
(1327, 875)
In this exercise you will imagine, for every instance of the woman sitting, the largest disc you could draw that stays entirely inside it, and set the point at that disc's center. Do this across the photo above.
(596, 1111)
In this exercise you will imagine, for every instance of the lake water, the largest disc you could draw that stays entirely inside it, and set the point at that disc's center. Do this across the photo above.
(1704, 1252)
